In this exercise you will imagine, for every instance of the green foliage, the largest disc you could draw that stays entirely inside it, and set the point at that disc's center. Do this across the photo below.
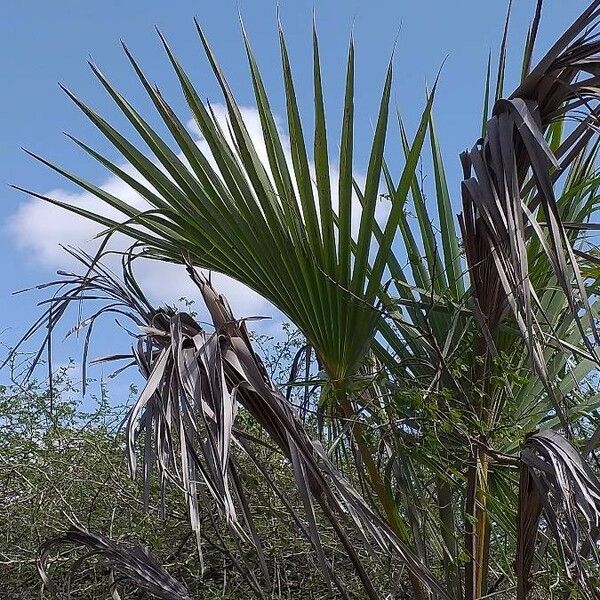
(70, 466)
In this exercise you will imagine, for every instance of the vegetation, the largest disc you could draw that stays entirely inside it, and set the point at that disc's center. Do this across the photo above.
(69, 467)
(451, 393)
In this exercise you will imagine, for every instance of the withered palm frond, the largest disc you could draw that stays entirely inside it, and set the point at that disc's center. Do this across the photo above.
(557, 484)
(185, 419)
(510, 212)
(132, 563)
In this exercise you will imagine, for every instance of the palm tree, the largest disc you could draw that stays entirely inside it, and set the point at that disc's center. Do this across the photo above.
(436, 373)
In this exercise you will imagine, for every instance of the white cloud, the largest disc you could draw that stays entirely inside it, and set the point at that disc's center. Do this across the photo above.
(39, 229)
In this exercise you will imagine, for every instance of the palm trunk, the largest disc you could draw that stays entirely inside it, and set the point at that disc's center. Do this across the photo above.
(482, 527)
(450, 558)
(386, 500)
(470, 536)
(477, 527)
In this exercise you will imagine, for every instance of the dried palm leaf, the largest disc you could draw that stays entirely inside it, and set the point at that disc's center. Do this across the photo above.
(133, 563)
(185, 415)
(558, 485)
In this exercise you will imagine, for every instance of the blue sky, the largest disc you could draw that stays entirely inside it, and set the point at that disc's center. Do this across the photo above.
(43, 43)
